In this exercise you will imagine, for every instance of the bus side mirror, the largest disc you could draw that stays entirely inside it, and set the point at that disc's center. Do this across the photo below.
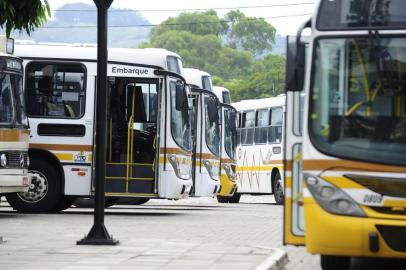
(181, 98)
(295, 64)
(213, 110)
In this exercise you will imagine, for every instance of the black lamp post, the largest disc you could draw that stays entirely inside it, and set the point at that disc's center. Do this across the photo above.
(98, 234)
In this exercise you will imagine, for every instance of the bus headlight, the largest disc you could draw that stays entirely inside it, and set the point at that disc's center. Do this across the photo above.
(3, 160)
(212, 168)
(182, 169)
(229, 171)
(331, 198)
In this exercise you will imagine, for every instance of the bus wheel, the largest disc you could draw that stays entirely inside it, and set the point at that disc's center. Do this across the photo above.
(335, 262)
(223, 199)
(278, 189)
(235, 198)
(44, 192)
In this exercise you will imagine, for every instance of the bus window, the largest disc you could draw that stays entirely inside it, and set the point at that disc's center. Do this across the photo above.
(174, 64)
(55, 90)
(206, 82)
(149, 103)
(226, 97)
(6, 105)
(275, 128)
(261, 129)
(248, 126)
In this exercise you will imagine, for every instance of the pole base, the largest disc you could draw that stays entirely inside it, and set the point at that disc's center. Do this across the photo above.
(98, 235)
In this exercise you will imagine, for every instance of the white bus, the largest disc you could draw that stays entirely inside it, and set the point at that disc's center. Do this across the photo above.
(149, 146)
(228, 164)
(14, 131)
(260, 147)
(206, 134)
(223, 94)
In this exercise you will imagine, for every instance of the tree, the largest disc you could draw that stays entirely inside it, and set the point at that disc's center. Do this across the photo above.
(248, 33)
(198, 23)
(23, 14)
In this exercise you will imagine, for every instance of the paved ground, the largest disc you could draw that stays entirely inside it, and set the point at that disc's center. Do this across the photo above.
(188, 234)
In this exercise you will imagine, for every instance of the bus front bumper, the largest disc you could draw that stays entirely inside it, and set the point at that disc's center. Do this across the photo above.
(14, 183)
(329, 234)
(228, 188)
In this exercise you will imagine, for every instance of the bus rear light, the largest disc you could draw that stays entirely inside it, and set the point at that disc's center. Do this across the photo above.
(331, 198)
(81, 173)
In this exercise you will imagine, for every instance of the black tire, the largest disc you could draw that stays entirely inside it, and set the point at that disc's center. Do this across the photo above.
(89, 202)
(278, 189)
(44, 193)
(223, 199)
(235, 198)
(335, 262)
(63, 204)
(133, 201)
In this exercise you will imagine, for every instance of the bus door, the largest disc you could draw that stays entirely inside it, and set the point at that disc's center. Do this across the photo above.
(207, 148)
(132, 133)
(294, 230)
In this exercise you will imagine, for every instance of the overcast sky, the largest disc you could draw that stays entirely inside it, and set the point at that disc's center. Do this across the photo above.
(284, 25)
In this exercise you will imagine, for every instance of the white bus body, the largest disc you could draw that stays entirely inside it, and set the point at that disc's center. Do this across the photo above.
(260, 146)
(206, 132)
(14, 131)
(149, 140)
(223, 94)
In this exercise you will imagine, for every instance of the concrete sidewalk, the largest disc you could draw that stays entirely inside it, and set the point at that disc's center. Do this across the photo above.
(190, 234)
(135, 254)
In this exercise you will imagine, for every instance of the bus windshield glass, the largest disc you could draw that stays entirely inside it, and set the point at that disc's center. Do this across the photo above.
(230, 138)
(12, 100)
(180, 120)
(358, 98)
(338, 14)
(212, 126)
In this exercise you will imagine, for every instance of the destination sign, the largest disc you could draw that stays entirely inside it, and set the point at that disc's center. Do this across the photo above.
(129, 71)
(361, 14)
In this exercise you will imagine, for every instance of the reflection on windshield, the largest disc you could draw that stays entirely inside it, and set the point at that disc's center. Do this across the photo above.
(359, 98)
(6, 99)
(180, 121)
(212, 127)
(230, 132)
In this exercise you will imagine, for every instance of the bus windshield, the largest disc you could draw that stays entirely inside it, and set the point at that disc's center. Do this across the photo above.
(12, 109)
(230, 138)
(212, 126)
(358, 99)
(180, 121)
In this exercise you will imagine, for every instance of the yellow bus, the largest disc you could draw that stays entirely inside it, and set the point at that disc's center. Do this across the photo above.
(345, 137)
(14, 133)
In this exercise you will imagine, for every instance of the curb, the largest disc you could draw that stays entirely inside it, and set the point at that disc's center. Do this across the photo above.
(275, 261)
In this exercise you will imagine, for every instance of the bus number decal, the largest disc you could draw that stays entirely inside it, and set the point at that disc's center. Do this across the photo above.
(373, 199)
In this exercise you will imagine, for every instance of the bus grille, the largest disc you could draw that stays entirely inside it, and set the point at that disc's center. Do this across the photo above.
(394, 236)
(17, 159)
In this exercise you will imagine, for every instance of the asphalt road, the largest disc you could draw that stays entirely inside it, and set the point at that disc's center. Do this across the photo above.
(256, 223)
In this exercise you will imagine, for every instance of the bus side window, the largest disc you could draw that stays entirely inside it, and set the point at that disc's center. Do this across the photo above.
(261, 127)
(275, 125)
(247, 137)
(55, 90)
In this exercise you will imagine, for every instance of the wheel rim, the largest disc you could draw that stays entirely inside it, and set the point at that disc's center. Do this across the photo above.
(279, 190)
(37, 190)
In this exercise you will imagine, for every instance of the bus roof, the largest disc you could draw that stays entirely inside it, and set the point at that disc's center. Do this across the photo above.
(252, 104)
(194, 76)
(147, 57)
